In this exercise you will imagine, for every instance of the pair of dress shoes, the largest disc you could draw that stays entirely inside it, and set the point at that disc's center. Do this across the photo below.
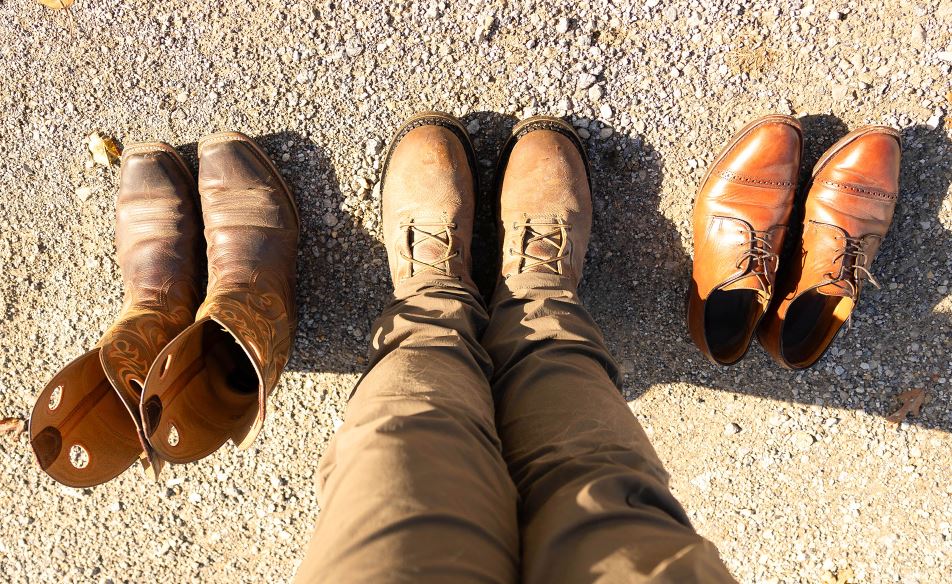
(742, 283)
(176, 375)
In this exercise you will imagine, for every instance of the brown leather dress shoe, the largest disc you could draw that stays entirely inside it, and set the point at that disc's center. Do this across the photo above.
(544, 200)
(85, 427)
(428, 199)
(740, 220)
(212, 382)
(849, 208)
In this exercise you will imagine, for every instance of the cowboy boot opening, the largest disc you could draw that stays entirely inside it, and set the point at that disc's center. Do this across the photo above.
(80, 430)
(202, 390)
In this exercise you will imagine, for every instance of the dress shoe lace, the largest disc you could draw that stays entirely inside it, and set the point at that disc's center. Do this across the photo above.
(757, 255)
(442, 234)
(853, 266)
(555, 235)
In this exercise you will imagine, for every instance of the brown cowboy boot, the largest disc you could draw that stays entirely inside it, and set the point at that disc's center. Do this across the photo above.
(545, 200)
(212, 382)
(849, 208)
(85, 427)
(740, 221)
(430, 154)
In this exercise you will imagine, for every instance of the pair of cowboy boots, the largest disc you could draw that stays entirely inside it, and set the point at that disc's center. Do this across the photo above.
(740, 284)
(175, 377)
(545, 215)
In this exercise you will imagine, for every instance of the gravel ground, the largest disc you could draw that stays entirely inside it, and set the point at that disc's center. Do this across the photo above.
(797, 477)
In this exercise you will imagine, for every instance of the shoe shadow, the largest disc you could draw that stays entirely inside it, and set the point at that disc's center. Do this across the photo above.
(638, 270)
(489, 132)
(638, 273)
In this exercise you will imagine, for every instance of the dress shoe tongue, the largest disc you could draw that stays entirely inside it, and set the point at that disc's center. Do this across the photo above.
(748, 282)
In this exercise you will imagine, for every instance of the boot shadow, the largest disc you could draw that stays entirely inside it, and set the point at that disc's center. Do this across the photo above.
(343, 280)
(639, 269)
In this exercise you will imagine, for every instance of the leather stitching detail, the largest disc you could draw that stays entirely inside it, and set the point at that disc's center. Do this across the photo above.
(863, 192)
(733, 176)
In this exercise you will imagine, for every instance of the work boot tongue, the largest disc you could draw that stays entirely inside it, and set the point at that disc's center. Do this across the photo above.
(431, 251)
(542, 250)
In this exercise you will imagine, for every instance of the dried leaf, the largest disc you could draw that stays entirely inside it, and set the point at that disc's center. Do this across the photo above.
(56, 4)
(103, 149)
(11, 426)
(910, 403)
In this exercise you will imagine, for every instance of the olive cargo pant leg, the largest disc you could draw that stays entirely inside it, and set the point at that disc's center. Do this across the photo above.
(595, 505)
(413, 487)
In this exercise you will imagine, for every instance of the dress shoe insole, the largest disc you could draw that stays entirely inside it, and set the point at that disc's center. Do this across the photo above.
(729, 319)
(206, 393)
(810, 324)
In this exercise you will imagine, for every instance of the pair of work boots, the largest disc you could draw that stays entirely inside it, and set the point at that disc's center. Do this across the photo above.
(175, 377)
(543, 205)
(740, 284)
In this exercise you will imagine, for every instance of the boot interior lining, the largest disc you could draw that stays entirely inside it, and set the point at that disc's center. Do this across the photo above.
(729, 319)
(209, 393)
(811, 322)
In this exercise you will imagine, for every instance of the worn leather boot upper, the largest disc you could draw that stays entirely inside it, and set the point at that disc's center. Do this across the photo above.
(428, 199)
(545, 201)
(213, 381)
(85, 427)
(740, 221)
(849, 208)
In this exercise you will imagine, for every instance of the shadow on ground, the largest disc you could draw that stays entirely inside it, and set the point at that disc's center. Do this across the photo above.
(638, 274)
(638, 271)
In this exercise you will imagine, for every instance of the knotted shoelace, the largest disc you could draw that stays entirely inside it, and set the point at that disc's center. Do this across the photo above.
(853, 267)
(759, 251)
(554, 234)
(441, 233)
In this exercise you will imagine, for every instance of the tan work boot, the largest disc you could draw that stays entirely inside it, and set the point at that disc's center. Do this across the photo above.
(85, 427)
(545, 200)
(428, 199)
(213, 381)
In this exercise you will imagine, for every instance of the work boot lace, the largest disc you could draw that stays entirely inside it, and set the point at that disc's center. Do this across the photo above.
(757, 256)
(441, 234)
(853, 267)
(554, 236)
